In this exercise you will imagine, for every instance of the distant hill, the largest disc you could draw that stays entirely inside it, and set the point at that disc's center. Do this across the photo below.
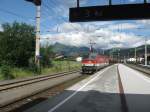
(128, 52)
(70, 50)
(83, 51)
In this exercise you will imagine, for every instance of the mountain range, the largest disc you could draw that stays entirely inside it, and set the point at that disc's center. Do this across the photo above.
(83, 51)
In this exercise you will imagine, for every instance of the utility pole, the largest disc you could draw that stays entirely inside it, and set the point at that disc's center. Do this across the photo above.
(37, 50)
(128, 56)
(78, 3)
(145, 52)
(135, 55)
(37, 3)
(103, 52)
(113, 54)
(118, 56)
(91, 46)
(110, 56)
(124, 59)
(145, 1)
(110, 3)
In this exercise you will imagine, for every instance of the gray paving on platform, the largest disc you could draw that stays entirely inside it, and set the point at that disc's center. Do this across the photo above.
(98, 93)
(136, 88)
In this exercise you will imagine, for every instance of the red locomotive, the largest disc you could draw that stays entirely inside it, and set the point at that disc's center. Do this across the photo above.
(94, 62)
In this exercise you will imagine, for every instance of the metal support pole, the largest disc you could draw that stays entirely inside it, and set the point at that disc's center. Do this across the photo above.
(145, 52)
(135, 55)
(110, 55)
(37, 49)
(113, 54)
(110, 3)
(103, 51)
(124, 59)
(128, 55)
(78, 3)
(118, 57)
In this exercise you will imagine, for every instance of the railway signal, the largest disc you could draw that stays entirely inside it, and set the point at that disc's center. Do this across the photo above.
(37, 3)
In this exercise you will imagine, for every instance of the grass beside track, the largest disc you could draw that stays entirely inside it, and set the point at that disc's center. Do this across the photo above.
(58, 66)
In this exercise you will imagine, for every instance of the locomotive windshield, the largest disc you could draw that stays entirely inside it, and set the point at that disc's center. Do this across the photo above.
(92, 55)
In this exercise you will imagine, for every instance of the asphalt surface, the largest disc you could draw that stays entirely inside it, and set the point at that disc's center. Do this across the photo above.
(98, 93)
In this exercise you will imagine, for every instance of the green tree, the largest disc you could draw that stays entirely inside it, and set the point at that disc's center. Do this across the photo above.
(17, 44)
(47, 55)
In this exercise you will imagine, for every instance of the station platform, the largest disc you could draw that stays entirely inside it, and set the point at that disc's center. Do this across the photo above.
(101, 93)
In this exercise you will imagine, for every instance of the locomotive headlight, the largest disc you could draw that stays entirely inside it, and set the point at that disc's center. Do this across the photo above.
(91, 64)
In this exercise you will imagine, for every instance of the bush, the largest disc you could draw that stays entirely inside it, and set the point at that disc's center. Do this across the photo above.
(6, 71)
(33, 67)
(47, 54)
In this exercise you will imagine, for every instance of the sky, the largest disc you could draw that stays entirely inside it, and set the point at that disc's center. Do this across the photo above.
(56, 27)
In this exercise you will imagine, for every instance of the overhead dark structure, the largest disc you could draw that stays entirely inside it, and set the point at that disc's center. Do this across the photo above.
(36, 2)
(110, 12)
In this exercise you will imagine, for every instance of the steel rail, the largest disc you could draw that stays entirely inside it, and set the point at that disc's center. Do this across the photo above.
(21, 83)
(139, 68)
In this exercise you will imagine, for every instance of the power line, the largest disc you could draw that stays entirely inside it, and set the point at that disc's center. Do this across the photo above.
(15, 14)
(20, 16)
(31, 19)
(62, 18)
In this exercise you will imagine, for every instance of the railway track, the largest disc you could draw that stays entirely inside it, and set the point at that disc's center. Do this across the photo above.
(11, 93)
(8, 90)
(19, 83)
(145, 70)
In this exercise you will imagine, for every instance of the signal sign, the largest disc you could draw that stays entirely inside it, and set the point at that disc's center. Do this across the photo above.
(110, 12)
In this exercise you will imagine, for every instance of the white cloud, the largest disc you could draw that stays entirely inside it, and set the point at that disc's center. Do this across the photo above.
(1, 29)
(72, 3)
(116, 39)
(148, 41)
(123, 26)
(104, 37)
(132, 0)
(67, 27)
(88, 27)
(60, 8)
(144, 22)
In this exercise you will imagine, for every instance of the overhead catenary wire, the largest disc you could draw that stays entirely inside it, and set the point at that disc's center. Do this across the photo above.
(46, 8)
(15, 14)
(31, 20)
(54, 11)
